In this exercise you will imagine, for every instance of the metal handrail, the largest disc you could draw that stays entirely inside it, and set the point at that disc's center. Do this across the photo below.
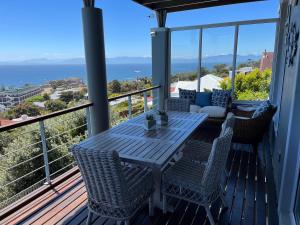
(44, 117)
(133, 93)
(73, 109)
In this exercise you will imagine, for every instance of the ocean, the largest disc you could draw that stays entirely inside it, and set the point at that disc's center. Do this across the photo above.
(19, 75)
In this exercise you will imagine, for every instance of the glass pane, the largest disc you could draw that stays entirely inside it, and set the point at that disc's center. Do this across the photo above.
(217, 48)
(297, 205)
(254, 61)
(184, 61)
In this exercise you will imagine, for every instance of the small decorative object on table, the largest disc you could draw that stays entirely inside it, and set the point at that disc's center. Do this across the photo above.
(150, 122)
(162, 117)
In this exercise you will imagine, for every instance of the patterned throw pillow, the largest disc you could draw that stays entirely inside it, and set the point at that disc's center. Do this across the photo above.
(187, 94)
(220, 97)
(263, 107)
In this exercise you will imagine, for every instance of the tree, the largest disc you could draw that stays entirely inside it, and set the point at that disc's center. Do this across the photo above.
(24, 144)
(225, 84)
(250, 63)
(221, 70)
(115, 86)
(46, 97)
(187, 76)
(252, 86)
(23, 109)
(37, 98)
(55, 105)
(204, 71)
(66, 96)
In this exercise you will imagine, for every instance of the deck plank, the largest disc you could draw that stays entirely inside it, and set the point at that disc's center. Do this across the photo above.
(42, 202)
(67, 205)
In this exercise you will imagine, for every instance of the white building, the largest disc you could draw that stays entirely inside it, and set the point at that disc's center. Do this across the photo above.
(207, 82)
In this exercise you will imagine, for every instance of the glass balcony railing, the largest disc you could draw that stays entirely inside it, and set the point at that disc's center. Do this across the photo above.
(236, 56)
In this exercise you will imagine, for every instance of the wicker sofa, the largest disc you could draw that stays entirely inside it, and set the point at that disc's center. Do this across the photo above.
(216, 104)
(249, 130)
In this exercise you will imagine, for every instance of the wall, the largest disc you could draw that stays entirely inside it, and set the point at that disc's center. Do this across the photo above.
(286, 92)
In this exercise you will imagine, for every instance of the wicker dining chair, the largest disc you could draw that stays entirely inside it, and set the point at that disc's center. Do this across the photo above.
(114, 190)
(199, 183)
(200, 150)
(178, 104)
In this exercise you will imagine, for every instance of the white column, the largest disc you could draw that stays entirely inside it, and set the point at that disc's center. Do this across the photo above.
(160, 64)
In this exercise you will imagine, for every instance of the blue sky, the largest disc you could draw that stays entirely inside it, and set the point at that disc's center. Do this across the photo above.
(53, 29)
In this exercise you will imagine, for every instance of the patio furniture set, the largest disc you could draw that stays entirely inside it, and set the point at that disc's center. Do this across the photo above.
(127, 166)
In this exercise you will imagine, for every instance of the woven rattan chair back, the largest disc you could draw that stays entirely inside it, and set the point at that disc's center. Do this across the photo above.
(103, 176)
(216, 162)
(178, 104)
(228, 123)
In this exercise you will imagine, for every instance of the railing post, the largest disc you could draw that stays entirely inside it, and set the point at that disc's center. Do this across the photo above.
(199, 60)
(88, 121)
(145, 102)
(235, 49)
(45, 151)
(129, 106)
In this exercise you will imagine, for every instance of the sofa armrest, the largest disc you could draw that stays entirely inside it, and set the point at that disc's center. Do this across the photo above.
(241, 113)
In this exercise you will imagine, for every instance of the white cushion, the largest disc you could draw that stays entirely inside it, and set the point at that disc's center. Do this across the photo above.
(214, 111)
(195, 108)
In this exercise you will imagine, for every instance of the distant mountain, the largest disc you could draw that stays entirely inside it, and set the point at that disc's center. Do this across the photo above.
(45, 61)
(129, 60)
(227, 59)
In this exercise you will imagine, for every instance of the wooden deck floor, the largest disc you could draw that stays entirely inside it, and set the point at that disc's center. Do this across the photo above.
(249, 191)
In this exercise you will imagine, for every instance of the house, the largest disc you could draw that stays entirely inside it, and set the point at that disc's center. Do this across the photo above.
(259, 188)
(5, 122)
(243, 70)
(266, 61)
(207, 83)
(16, 96)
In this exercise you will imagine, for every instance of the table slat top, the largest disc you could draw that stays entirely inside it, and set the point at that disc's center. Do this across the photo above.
(152, 148)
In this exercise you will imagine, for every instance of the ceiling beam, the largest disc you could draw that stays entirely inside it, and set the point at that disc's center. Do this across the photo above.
(181, 5)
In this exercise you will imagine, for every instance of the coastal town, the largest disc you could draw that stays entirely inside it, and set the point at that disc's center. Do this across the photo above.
(21, 104)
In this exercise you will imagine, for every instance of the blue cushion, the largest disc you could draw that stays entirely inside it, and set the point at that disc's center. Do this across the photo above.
(188, 94)
(203, 99)
(220, 97)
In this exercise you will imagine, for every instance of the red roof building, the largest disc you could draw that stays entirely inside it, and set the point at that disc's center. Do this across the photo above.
(266, 61)
(5, 122)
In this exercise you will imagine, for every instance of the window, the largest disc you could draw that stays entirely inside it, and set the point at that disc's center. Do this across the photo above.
(212, 47)
(184, 61)
(254, 61)
(216, 60)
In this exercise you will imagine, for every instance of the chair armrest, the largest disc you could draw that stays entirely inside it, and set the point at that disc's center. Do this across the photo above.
(241, 113)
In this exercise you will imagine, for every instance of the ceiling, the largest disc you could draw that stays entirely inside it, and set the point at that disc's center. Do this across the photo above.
(181, 5)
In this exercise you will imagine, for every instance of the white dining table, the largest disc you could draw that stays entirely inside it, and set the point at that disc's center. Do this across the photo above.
(155, 148)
